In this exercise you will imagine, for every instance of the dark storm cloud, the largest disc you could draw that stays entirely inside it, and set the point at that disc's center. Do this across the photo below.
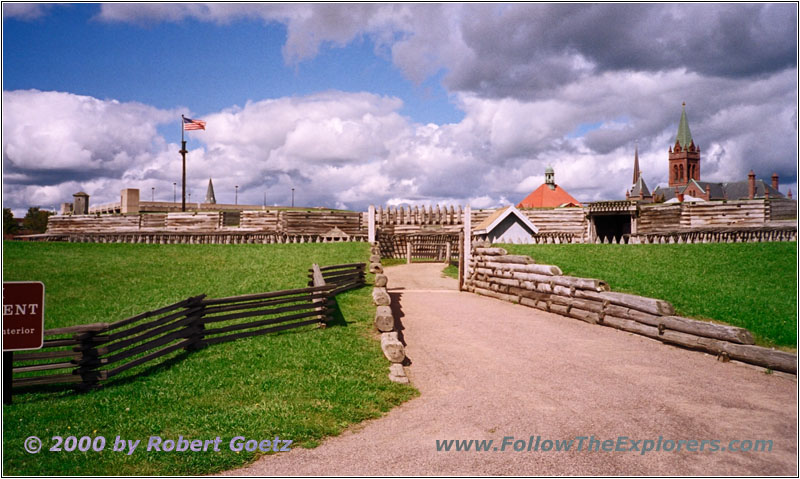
(524, 50)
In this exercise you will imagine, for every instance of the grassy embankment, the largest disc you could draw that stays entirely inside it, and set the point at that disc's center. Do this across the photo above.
(303, 384)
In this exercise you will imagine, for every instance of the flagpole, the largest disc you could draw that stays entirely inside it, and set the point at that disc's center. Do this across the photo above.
(183, 180)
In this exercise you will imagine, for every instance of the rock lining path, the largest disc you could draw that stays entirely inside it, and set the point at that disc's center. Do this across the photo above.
(488, 369)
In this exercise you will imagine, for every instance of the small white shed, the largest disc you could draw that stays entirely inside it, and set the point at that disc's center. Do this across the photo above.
(506, 225)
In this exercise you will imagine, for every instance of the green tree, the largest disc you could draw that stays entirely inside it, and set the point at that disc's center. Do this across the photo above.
(9, 224)
(36, 220)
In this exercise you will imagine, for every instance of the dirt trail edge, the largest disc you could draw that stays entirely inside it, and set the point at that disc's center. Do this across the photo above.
(489, 370)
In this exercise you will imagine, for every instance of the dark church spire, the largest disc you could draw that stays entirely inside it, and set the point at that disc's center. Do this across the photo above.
(636, 164)
(210, 198)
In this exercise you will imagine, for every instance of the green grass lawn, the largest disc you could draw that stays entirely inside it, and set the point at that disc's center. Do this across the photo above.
(752, 285)
(302, 384)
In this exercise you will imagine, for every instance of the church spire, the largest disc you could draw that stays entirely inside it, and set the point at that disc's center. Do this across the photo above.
(684, 137)
(210, 198)
(636, 164)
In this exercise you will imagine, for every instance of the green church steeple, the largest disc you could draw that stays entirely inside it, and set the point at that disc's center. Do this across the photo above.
(684, 137)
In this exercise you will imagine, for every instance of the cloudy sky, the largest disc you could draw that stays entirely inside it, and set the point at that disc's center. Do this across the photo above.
(364, 104)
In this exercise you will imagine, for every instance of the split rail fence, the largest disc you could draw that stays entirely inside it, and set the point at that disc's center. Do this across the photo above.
(86, 355)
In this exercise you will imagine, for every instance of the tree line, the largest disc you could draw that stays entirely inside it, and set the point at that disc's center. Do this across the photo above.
(35, 221)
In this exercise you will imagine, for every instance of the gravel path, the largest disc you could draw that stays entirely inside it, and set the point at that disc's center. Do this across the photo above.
(488, 369)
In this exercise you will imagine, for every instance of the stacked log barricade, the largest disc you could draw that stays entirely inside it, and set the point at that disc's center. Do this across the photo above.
(320, 223)
(385, 322)
(86, 356)
(518, 279)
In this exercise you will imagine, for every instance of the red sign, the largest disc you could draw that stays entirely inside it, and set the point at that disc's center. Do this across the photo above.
(23, 315)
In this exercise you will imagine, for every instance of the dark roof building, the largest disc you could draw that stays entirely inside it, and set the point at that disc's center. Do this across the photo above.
(684, 176)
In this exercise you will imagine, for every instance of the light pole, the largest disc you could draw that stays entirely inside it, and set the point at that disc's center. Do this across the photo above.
(174, 192)
(292, 197)
(152, 193)
(236, 198)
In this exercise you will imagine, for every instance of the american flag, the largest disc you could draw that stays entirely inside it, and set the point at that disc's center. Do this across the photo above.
(189, 124)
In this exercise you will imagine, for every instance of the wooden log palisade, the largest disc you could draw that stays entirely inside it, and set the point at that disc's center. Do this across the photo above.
(88, 355)
(496, 274)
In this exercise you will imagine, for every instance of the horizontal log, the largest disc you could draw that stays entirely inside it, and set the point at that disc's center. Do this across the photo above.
(259, 332)
(347, 287)
(264, 322)
(504, 281)
(273, 294)
(381, 280)
(641, 303)
(495, 294)
(55, 343)
(43, 367)
(381, 297)
(760, 356)
(265, 312)
(584, 304)
(152, 344)
(311, 298)
(527, 293)
(37, 355)
(341, 278)
(392, 347)
(149, 357)
(568, 310)
(490, 251)
(769, 358)
(157, 312)
(124, 343)
(80, 328)
(50, 379)
(153, 324)
(545, 269)
(709, 330)
(508, 259)
(567, 281)
(634, 314)
(384, 319)
(342, 266)
(553, 289)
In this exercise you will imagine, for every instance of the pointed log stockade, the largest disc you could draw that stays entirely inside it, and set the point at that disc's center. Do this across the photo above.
(591, 301)
(86, 355)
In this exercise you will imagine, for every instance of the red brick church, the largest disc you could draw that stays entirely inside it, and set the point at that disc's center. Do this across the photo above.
(684, 176)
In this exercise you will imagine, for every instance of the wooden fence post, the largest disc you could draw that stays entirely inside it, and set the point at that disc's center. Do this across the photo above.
(8, 373)
(408, 250)
(371, 224)
(461, 260)
(467, 240)
(447, 252)
(197, 325)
